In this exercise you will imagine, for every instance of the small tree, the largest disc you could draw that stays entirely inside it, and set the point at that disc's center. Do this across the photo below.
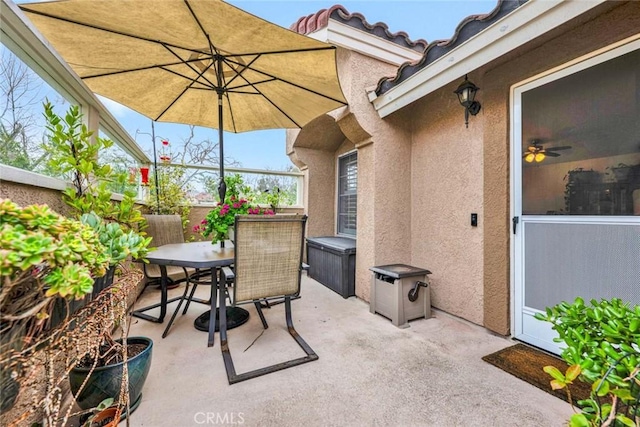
(172, 197)
(73, 153)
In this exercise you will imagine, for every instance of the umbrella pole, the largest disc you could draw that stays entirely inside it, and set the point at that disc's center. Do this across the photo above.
(222, 186)
(155, 166)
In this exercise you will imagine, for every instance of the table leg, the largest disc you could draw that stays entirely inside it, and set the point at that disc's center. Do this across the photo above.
(223, 317)
(212, 316)
(163, 300)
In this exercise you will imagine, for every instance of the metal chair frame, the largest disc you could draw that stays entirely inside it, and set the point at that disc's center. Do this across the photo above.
(140, 313)
(229, 275)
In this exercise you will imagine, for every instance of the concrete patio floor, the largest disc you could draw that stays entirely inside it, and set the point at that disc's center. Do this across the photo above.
(370, 373)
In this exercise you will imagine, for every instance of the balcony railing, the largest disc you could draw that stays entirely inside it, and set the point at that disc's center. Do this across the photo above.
(201, 183)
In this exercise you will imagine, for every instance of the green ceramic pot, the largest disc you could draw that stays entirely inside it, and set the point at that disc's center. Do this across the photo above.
(105, 381)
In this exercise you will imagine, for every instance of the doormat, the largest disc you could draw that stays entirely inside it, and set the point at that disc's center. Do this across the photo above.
(526, 363)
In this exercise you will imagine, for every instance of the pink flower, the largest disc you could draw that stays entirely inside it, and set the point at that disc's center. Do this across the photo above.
(204, 221)
(236, 205)
(196, 228)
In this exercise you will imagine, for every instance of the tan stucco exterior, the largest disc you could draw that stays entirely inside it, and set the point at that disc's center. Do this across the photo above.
(421, 173)
(24, 195)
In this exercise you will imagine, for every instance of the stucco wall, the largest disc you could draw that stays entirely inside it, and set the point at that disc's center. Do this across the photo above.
(603, 26)
(24, 195)
(318, 152)
(421, 173)
(320, 176)
(446, 186)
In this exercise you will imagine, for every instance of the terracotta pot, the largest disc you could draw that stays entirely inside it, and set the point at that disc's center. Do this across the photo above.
(111, 414)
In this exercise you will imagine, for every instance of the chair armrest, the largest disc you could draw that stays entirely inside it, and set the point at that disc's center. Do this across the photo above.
(228, 274)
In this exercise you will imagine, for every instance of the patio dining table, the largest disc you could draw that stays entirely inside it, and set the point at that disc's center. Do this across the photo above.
(199, 255)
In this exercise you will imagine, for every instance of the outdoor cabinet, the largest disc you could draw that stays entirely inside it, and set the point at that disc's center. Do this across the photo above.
(332, 262)
(392, 289)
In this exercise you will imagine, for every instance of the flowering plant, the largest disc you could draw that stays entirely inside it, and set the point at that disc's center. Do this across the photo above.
(220, 218)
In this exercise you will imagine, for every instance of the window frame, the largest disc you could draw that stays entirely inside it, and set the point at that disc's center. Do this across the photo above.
(571, 67)
(343, 157)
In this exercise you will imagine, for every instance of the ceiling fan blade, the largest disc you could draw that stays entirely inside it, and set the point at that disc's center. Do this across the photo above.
(538, 141)
(564, 147)
(551, 154)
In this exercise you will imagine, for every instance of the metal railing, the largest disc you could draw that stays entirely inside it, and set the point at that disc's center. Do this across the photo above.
(200, 183)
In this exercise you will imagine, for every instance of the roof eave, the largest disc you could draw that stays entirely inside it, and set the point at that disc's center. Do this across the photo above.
(514, 30)
(351, 38)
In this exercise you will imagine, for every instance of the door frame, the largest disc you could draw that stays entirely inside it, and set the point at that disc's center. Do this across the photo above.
(515, 123)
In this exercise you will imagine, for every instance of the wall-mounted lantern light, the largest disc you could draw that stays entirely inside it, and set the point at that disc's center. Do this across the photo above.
(466, 95)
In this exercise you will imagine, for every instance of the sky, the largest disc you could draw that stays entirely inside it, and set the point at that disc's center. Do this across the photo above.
(427, 19)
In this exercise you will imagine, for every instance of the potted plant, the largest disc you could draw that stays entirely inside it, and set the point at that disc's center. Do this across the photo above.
(603, 349)
(99, 376)
(220, 220)
(73, 153)
(119, 245)
(44, 256)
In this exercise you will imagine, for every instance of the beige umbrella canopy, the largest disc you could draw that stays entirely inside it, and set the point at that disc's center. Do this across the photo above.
(199, 62)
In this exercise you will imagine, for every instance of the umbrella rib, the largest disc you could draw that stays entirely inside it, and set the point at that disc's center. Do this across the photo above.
(249, 85)
(25, 8)
(278, 52)
(206, 87)
(181, 93)
(292, 84)
(278, 108)
(238, 73)
(188, 64)
(131, 70)
(204, 32)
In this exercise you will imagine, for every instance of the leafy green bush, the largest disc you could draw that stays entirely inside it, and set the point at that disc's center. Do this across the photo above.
(603, 349)
(73, 153)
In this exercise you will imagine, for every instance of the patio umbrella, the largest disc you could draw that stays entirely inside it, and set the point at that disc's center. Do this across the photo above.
(204, 62)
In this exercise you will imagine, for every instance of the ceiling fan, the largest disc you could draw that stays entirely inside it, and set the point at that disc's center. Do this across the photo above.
(536, 152)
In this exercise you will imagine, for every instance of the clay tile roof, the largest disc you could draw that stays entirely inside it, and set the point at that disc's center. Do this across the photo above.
(468, 27)
(320, 19)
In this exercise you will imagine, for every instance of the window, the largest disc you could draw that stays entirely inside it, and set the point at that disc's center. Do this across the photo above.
(22, 123)
(580, 146)
(347, 193)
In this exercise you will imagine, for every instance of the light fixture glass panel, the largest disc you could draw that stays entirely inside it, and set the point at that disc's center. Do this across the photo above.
(464, 96)
(540, 157)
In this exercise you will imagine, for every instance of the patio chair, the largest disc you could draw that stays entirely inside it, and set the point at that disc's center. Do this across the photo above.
(267, 265)
(166, 229)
